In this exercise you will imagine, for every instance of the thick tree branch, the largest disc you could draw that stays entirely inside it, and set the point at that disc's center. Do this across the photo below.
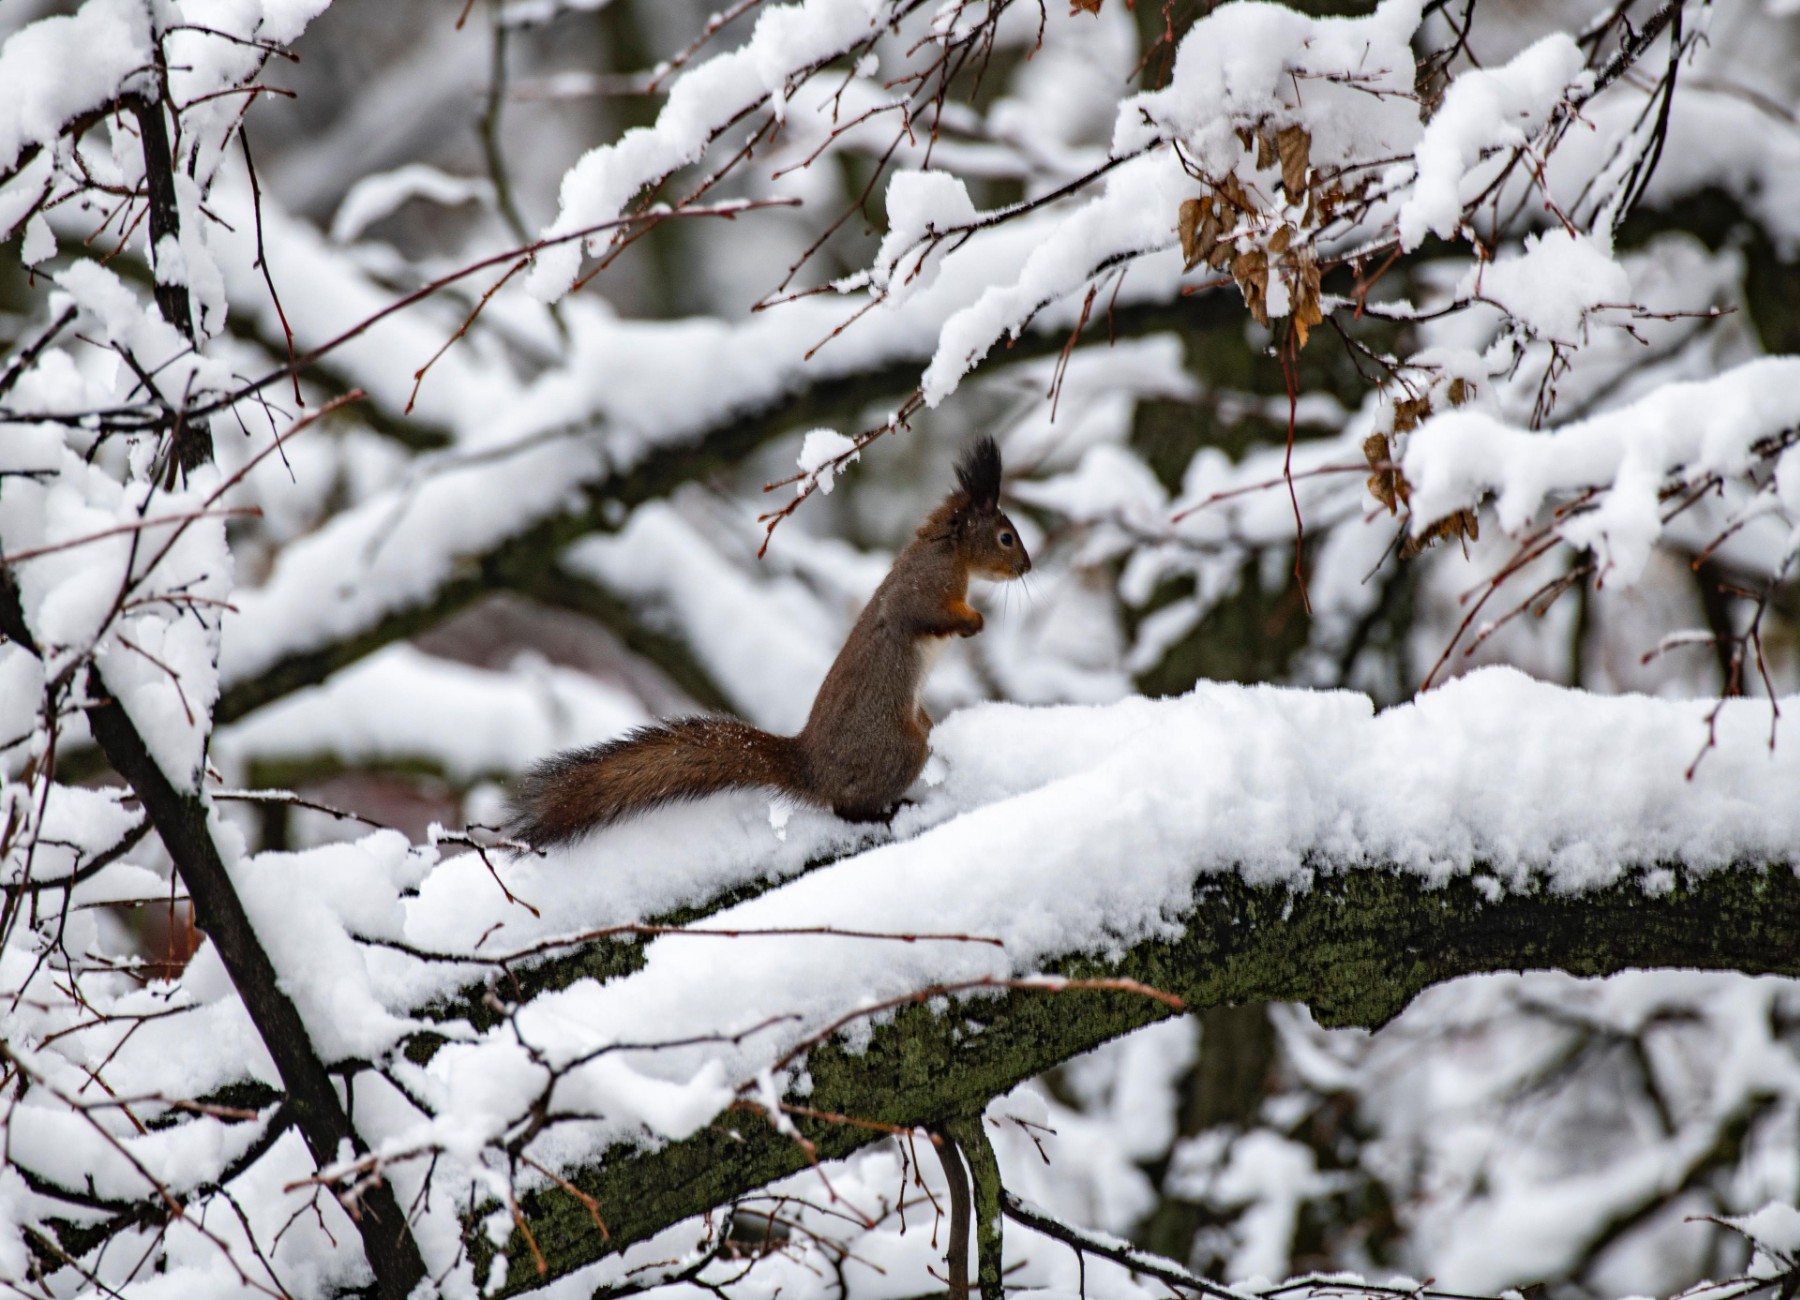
(956, 1177)
(180, 820)
(985, 1194)
(1356, 948)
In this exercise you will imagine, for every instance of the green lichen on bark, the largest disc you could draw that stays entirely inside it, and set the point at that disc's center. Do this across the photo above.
(1356, 947)
(984, 1201)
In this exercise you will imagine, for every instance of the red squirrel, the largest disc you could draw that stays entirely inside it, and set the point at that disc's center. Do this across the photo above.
(863, 744)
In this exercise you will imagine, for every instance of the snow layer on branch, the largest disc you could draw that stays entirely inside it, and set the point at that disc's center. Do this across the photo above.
(1348, 81)
(787, 40)
(920, 207)
(48, 1137)
(1773, 1228)
(1552, 286)
(123, 572)
(1055, 259)
(1072, 829)
(307, 907)
(1690, 430)
(76, 824)
(326, 294)
(376, 197)
(58, 68)
(398, 549)
(1484, 109)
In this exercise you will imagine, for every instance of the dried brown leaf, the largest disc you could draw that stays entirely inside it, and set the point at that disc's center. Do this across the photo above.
(1409, 411)
(1251, 271)
(1294, 144)
(1198, 225)
(1311, 282)
(1279, 241)
(1231, 190)
(1187, 225)
(1265, 148)
(1459, 391)
(1330, 200)
(1085, 6)
(1387, 485)
(1462, 524)
(1303, 289)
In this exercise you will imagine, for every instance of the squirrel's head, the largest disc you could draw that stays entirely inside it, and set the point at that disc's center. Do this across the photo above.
(986, 538)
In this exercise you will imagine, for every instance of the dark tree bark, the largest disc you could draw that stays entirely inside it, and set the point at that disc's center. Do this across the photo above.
(1356, 948)
(191, 440)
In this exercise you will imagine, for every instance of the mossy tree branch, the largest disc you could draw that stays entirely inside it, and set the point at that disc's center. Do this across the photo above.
(956, 1178)
(1356, 947)
(984, 1201)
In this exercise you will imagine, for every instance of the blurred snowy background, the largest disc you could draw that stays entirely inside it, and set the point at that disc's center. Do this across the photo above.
(1527, 265)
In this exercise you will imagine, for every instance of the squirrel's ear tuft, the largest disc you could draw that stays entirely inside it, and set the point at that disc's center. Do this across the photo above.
(979, 473)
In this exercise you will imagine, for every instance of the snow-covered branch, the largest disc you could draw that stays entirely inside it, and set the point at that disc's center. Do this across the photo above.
(1350, 352)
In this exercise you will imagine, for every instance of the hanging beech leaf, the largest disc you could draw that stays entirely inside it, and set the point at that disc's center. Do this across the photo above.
(1198, 224)
(1386, 484)
(1251, 271)
(1409, 411)
(1231, 190)
(1294, 143)
(1462, 524)
(1085, 6)
(1265, 149)
(1303, 291)
(1187, 225)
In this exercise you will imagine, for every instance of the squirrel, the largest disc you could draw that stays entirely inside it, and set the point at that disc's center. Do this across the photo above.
(864, 743)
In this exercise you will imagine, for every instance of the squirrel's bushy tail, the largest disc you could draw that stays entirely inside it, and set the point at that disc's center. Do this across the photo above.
(567, 795)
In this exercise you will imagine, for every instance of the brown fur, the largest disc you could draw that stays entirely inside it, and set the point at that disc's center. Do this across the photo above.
(864, 742)
(567, 795)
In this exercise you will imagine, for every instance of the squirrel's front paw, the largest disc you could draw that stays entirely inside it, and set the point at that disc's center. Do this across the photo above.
(973, 624)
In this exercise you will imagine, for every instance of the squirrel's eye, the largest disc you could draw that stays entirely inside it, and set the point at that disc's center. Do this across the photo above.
(1006, 538)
